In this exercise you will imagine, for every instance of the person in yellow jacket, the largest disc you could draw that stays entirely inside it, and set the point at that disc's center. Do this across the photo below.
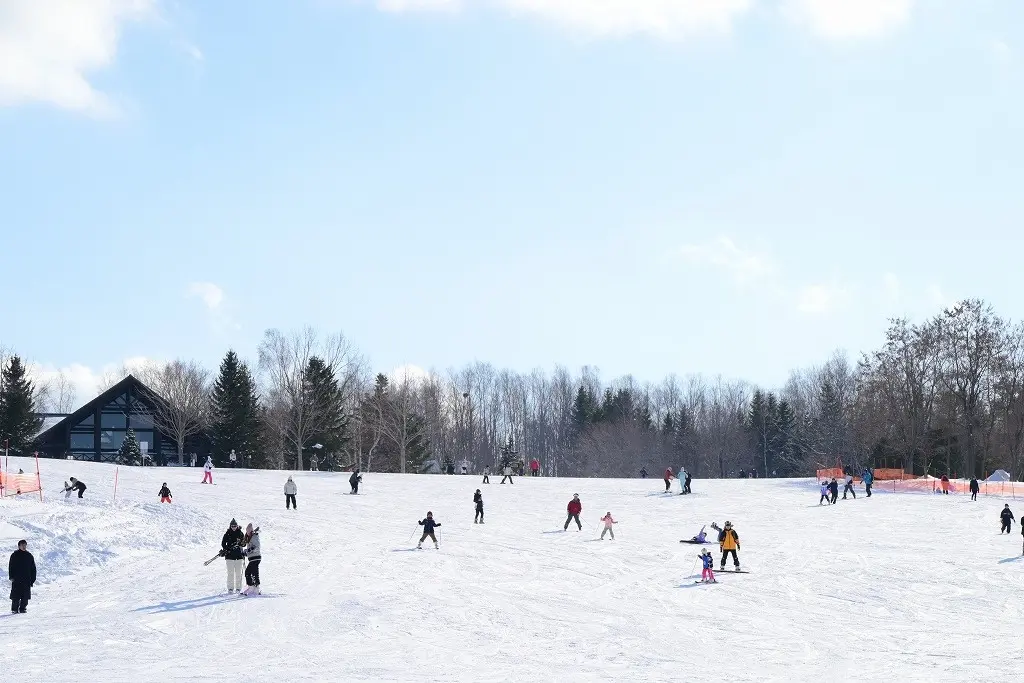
(729, 542)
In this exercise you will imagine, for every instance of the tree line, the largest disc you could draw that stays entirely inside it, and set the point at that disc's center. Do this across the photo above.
(944, 396)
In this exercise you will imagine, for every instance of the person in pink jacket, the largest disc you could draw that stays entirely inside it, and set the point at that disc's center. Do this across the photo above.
(608, 521)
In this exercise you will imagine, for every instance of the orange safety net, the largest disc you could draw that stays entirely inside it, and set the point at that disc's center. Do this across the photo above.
(1008, 489)
(831, 473)
(14, 484)
(890, 474)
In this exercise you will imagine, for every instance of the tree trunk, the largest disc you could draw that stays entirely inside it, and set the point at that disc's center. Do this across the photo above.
(298, 457)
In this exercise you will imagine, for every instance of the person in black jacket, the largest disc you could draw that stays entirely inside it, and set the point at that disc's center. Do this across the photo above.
(974, 488)
(833, 487)
(354, 480)
(478, 518)
(22, 572)
(165, 494)
(428, 525)
(231, 549)
(1006, 517)
(75, 486)
(686, 483)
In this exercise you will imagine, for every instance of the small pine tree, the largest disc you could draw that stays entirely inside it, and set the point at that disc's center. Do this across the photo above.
(19, 423)
(129, 453)
(235, 409)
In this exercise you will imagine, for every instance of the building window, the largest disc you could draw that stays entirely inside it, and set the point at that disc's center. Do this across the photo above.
(140, 421)
(87, 422)
(111, 440)
(113, 421)
(83, 442)
(145, 438)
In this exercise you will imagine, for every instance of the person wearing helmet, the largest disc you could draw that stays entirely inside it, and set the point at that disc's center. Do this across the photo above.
(824, 494)
(729, 542)
(428, 525)
(574, 508)
(708, 574)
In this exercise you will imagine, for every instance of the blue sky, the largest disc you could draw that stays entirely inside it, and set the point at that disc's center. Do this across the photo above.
(648, 186)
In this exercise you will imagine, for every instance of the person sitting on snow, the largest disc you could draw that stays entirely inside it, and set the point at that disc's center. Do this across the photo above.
(701, 537)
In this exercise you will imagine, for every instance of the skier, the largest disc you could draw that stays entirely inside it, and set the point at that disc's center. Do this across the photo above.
(668, 479)
(507, 475)
(729, 542)
(643, 472)
(231, 547)
(575, 507)
(1006, 517)
(165, 494)
(478, 518)
(252, 552)
(868, 478)
(707, 575)
(689, 478)
(945, 484)
(700, 537)
(487, 475)
(608, 522)
(290, 489)
(682, 481)
(314, 463)
(428, 525)
(534, 468)
(824, 494)
(833, 486)
(354, 480)
(974, 488)
(75, 486)
(465, 467)
(208, 471)
(21, 570)
(849, 487)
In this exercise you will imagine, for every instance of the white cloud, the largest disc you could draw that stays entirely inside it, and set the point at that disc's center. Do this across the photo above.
(744, 267)
(849, 19)
(818, 299)
(48, 48)
(668, 19)
(407, 374)
(85, 382)
(211, 294)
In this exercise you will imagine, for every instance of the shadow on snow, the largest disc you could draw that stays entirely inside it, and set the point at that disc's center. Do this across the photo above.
(198, 603)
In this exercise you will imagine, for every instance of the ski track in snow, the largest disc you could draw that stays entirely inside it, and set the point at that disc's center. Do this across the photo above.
(897, 586)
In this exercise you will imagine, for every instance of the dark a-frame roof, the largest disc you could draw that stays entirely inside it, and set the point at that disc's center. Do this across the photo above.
(129, 382)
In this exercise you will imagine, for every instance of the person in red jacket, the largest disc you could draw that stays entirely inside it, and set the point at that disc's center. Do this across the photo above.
(575, 507)
(534, 468)
(668, 479)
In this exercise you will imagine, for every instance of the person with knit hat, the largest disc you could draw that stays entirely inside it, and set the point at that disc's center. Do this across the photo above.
(252, 553)
(234, 557)
(574, 508)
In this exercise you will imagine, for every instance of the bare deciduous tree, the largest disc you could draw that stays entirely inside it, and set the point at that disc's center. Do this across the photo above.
(181, 408)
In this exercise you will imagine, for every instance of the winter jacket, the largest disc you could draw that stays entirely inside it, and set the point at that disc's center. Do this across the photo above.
(534, 465)
(428, 525)
(974, 486)
(849, 480)
(728, 539)
(708, 560)
(824, 489)
(507, 471)
(1006, 515)
(231, 544)
(165, 492)
(252, 548)
(833, 486)
(354, 479)
(22, 567)
(608, 521)
(290, 489)
(479, 500)
(208, 467)
(668, 474)
(868, 477)
(575, 506)
(78, 486)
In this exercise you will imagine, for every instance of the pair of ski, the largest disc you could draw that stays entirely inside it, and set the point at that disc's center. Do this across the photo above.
(723, 571)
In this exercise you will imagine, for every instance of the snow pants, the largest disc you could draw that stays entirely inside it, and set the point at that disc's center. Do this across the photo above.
(825, 499)
(707, 574)
(867, 487)
(571, 518)
(849, 489)
(479, 516)
(20, 593)
(355, 487)
(207, 477)
(1006, 526)
(835, 495)
(289, 501)
(487, 480)
(668, 484)
(509, 477)
(607, 530)
(165, 499)
(735, 558)
(426, 535)
(534, 473)
(687, 489)
(252, 572)
(974, 495)
(234, 568)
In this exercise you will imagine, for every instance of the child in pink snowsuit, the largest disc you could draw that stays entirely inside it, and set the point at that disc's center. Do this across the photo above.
(608, 521)
(707, 575)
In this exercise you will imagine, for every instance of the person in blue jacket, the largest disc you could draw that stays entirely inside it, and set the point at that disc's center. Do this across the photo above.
(708, 574)
(869, 478)
(428, 525)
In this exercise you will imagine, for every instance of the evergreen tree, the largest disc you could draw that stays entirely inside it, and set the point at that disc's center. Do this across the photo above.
(789, 456)
(235, 411)
(19, 423)
(325, 400)
(130, 453)
(584, 412)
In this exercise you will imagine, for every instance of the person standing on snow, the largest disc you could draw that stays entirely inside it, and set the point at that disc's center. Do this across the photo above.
(868, 478)
(689, 478)
(974, 488)
(824, 494)
(682, 481)
(487, 475)
(608, 522)
(849, 487)
(231, 548)
(707, 575)
(833, 486)
(729, 542)
(668, 479)
(290, 489)
(208, 471)
(944, 484)
(252, 552)
(1006, 517)
(75, 486)
(643, 472)
(574, 508)
(535, 468)
(165, 494)
(21, 570)
(428, 525)
(478, 518)
(507, 474)
(354, 480)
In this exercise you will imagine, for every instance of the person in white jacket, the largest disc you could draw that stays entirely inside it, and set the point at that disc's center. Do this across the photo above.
(289, 494)
(208, 471)
(252, 553)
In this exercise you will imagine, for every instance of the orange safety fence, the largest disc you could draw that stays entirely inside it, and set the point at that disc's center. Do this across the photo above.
(955, 487)
(831, 473)
(890, 474)
(16, 484)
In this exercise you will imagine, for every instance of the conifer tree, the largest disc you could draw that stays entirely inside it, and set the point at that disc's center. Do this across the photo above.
(235, 413)
(324, 399)
(130, 453)
(19, 423)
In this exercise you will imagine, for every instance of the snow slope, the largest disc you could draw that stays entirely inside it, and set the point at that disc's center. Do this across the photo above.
(911, 586)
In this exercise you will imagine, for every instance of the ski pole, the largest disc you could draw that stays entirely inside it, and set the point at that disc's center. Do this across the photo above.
(693, 567)
(415, 529)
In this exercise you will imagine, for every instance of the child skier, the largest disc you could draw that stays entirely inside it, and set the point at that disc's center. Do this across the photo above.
(608, 522)
(165, 494)
(849, 487)
(252, 552)
(824, 494)
(1007, 519)
(478, 518)
(354, 480)
(682, 481)
(668, 479)
(231, 548)
(208, 471)
(75, 486)
(290, 489)
(428, 525)
(574, 508)
(729, 542)
(708, 574)
(701, 537)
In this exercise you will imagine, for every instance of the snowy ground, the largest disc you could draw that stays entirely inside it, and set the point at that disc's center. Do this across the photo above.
(917, 587)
